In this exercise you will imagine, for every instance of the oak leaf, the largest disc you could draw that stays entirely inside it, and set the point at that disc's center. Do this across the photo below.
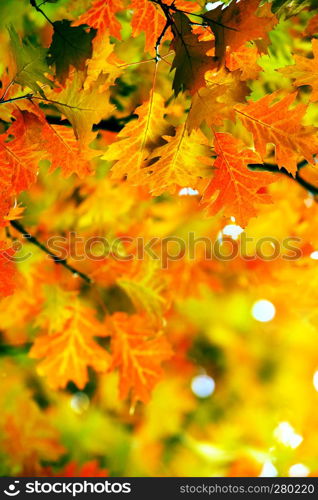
(244, 59)
(102, 17)
(191, 60)
(83, 107)
(215, 103)
(138, 352)
(137, 139)
(21, 149)
(277, 124)
(238, 23)
(69, 351)
(71, 46)
(148, 19)
(7, 270)
(180, 162)
(305, 71)
(30, 63)
(234, 189)
(144, 287)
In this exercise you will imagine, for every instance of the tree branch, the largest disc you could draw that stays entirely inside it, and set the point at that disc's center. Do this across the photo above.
(172, 7)
(269, 167)
(63, 262)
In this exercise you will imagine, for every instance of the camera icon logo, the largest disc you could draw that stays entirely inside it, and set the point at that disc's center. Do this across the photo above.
(12, 490)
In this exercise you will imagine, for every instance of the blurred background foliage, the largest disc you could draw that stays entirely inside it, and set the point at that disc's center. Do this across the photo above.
(239, 395)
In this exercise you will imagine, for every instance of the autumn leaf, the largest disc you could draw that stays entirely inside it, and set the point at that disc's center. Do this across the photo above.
(71, 46)
(136, 139)
(180, 162)
(244, 59)
(70, 351)
(234, 189)
(238, 23)
(88, 469)
(102, 16)
(79, 105)
(7, 269)
(30, 63)
(138, 352)
(55, 312)
(148, 19)
(104, 61)
(15, 212)
(21, 149)
(275, 123)
(305, 71)
(30, 440)
(145, 289)
(191, 60)
(215, 103)
(312, 27)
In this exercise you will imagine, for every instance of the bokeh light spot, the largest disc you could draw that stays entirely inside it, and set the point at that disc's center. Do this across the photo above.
(285, 434)
(79, 402)
(263, 310)
(268, 470)
(202, 386)
(298, 470)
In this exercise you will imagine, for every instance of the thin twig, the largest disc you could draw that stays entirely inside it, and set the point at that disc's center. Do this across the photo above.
(63, 262)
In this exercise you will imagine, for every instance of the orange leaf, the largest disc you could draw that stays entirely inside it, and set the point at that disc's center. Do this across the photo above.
(136, 139)
(238, 23)
(181, 162)
(101, 16)
(235, 189)
(278, 125)
(215, 103)
(88, 469)
(244, 59)
(7, 270)
(148, 19)
(138, 352)
(305, 71)
(68, 352)
(20, 156)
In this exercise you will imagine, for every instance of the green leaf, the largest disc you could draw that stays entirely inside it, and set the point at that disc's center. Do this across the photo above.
(190, 61)
(290, 8)
(30, 63)
(71, 46)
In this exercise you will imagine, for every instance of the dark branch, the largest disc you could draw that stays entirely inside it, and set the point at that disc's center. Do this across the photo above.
(38, 9)
(269, 167)
(55, 258)
(172, 7)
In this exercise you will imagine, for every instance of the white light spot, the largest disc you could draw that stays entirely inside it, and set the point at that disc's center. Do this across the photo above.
(314, 255)
(286, 434)
(268, 470)
(233, 231)
(79, 402)
(309, 202)
(298, 470)
(187, 191)
(202, 386)
(263, 310)
(213, 5)
(315, 380)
